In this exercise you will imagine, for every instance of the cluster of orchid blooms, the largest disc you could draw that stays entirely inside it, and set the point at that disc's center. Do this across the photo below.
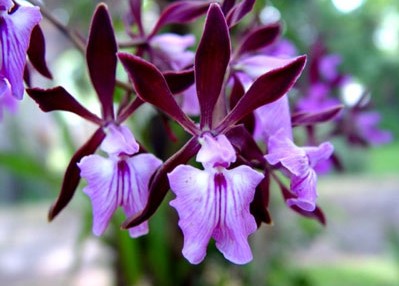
(239, 94)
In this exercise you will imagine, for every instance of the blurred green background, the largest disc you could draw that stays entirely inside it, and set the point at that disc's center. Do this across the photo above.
(359, 245)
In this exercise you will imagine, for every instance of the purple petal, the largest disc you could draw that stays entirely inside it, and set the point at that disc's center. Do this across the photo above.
(271, 118)
(152, 87)
(102, 178)
(367, 123)
(215, 205)
(159, 184)
(114, 183)
(119, 141)
(37, 52)
(195, 204)
(101, 58)
(282, 150)
(266, 89)
(173, 49)
(143, 167)
(239, 11)
(305, 189)
(255, 66)
(259, 38)
(316, 214)
(215, 151)
(212, 58)
(59, 99)
(7, 101)
(320, 153)
(180, 12)
(72, 177)
(190, 104)
(15, 31)
(236, 223)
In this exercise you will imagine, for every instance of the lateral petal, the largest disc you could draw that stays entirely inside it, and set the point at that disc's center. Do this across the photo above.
(195, 204)
(102, 178)
(141, 168)
(236, 222)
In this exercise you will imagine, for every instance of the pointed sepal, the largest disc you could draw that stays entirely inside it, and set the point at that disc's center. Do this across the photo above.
(37, 51)
(101, 58)
(72, 173)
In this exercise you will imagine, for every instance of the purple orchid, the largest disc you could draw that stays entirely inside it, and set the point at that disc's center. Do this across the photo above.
(16, 25)
(122, 178)
(298, 163)
(215, 202)
(222, 193)
(119, 180)
(367, 125)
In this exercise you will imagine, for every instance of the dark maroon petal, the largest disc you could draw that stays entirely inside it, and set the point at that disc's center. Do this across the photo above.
(246, 146)
(239, 11)
(159, 184)
(211, 60)
(58, 98)
(305, 118)
(260, 203)
(259, 38)
(135, 10)
(236, 93)
(181, 12)
(317, 214)
(179, 81)
(152, 87)
(27, 77)
(37, 52)
(101, 59)
(72, 173)
(227, 5)
(266, 89)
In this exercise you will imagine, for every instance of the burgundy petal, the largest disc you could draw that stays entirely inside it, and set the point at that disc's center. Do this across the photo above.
(239, 11)
(151, 87)
(305, 118)
(101, 58)
(245, 145)
(211, 60)
(179, 81)
(159, 184)
(58, 98)
(37, 51)
(261, 202)
(237, 92)
(317, 214)
(72, 173)
(227, 5)
(267, 88)
(181, 12)
(259, 38)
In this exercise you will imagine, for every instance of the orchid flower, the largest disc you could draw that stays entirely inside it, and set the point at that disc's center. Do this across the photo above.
(217, 190)
(16, 25)
(119, 180)
(215, 202)
(122, 178)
